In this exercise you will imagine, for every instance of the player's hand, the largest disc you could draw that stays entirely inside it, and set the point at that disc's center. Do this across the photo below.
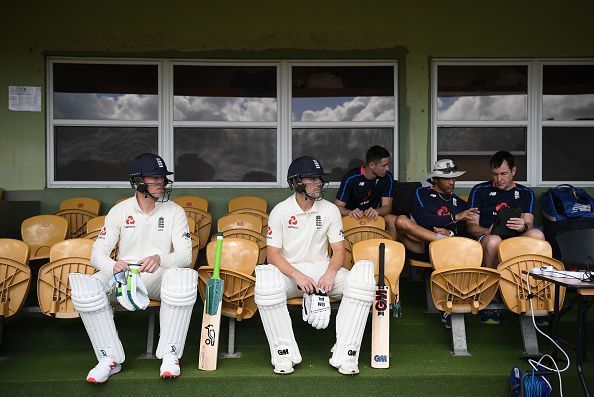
(356, 213)
(516, 224)
(326, 282)
(371, 213)
(306, 284)
(150, 264)
(443, 231)
(471, 214)
(120, 266)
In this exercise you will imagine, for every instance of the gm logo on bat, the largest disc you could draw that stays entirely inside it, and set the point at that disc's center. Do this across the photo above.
(381, 301)
(380, 358)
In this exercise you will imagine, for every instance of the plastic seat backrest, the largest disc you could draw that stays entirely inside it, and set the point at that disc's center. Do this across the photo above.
(239, 221)
(95, 224)
(393, 259)
(348, 223)
(357, 234)
(238, 254)
(576, 247)
(203, 222)
(514, 284)
(252, 202)
(246, 234)
(41, 232)
(517, 246)
(72, 248)
(15, 250)
(455, 252)
(197, 202)
(81, 203)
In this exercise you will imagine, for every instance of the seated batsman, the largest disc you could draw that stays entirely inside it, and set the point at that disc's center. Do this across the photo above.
(299, 229)
(154, 247)
(436, 212)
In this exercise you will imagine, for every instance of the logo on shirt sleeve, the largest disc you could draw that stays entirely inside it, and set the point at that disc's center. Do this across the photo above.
(102, 234)
(268, 232)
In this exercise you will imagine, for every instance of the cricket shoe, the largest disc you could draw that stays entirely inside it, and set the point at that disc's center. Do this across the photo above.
(283, 367)
(347, 367)
(170, 366)
(103, 370)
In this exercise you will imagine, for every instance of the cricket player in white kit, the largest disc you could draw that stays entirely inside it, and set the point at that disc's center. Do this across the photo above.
(299, 230)
(151, 232)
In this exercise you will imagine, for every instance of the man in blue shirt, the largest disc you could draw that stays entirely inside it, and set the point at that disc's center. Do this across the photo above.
(490, 197)
(366, 192)
(436, 212)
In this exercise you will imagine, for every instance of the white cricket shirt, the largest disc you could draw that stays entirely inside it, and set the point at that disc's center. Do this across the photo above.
(163, 232)
(304, 236)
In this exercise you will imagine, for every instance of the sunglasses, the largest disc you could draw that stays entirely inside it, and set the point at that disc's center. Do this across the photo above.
(449, 169)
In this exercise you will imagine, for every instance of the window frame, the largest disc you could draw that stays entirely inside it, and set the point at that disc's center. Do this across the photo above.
(533, 124)
(166, 123)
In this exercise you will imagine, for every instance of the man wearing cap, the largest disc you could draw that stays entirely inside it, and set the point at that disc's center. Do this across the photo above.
(154, 249)
(436, 212)
(299, 230)
(366, 192)
(492, 196)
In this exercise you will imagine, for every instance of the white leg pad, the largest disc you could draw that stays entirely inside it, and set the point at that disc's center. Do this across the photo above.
(352, 314)
(179, 289)
(271, 298)
(89, 298)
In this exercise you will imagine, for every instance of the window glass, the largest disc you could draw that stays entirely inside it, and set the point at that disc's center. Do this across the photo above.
(567, 153)
(105, 91)
(472, 92)
(568, 92)
(224, 93)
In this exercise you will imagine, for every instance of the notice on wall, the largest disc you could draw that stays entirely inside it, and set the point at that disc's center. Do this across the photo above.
(24, 99)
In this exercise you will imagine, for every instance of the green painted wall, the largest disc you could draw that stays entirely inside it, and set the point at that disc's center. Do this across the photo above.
(411, 32)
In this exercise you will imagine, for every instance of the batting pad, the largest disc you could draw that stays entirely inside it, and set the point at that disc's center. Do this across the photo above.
(90, 300)
(271, 299)
(179, 289)
(358, 295)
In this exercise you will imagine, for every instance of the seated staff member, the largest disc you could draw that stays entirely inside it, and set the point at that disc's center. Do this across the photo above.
(367, 191)
(436, 212)
(490, 197)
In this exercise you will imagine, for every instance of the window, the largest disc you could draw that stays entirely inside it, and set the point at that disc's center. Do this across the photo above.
(480, 107)
(215, 123)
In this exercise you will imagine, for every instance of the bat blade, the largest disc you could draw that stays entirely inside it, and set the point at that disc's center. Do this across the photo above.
(211, 317)
(380, 325)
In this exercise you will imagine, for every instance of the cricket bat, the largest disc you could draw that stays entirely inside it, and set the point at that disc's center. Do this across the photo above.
(380, 324)
(211, 318)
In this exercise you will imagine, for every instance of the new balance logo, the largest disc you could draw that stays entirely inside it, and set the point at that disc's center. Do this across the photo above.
(493, 194)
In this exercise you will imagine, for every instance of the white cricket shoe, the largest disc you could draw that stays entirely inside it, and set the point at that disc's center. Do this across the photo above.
(347, 367)
(170, 366)
(103, 370)
(283, 367)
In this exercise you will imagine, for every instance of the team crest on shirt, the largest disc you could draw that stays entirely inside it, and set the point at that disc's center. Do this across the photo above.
(318, 222)
(161, 224)
(293, 222)
(454, 202)
(130, 222)
(516, 195)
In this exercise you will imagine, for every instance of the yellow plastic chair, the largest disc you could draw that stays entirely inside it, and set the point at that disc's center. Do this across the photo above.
(53, 287)
(239, 221)
(78, 211)
(251, 211)
(41, 232)
(393, 262)
(15, 277)
(238, 262)
(195, 241)
(357, 234)
(517, 246)
(348, 223)
(81, 203)
(94, 227)
(513, 288)
(459, 284)
(252, 202)
(196, 202)
(203, 222)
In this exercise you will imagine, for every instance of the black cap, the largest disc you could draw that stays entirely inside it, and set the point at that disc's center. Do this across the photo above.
(305, 167)
(148, 164)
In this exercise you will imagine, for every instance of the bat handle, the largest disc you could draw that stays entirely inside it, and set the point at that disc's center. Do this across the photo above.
(218, 255)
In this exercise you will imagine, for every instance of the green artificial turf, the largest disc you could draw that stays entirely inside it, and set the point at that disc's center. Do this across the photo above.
(47, 356)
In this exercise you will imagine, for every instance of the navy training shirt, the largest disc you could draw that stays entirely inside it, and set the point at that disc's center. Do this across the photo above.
(489, 200)
(431, 209)
(359, 192)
